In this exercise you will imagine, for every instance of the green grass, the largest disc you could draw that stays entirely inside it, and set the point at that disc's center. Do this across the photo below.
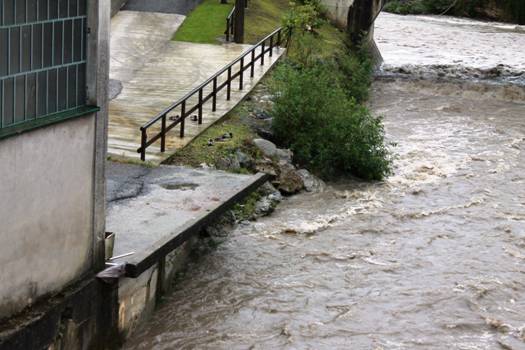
(263, 17)
(205, 24)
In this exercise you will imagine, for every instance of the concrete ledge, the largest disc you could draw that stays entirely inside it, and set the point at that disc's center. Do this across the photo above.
(148, 257)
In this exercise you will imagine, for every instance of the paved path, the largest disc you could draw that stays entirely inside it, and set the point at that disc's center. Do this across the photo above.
(181, 7)
(155, 72)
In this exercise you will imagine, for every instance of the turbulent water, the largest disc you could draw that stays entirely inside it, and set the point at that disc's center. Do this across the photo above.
(432, 258)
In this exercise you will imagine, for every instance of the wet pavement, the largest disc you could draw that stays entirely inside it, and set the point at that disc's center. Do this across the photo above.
(150, 72)
(431, 258)
(148, 205)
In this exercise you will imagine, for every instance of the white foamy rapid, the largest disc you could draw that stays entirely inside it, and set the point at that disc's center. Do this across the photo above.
(452, 47)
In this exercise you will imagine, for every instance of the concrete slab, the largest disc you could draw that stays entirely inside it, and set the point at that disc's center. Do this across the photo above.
(155, 72)
(149, 207)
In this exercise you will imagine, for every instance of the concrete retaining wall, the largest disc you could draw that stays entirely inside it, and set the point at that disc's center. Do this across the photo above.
(138, 297)
(338, 11)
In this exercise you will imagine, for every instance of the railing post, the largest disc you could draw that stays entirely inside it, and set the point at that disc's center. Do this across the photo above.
(271, 46)
(163, 134)
(183, 117)
(241, 75)
(214, 99)
(279, 39)
(200, 106)
(262, 52)
(143, 139)
(229, 85)
(228, 29)
(252, 68)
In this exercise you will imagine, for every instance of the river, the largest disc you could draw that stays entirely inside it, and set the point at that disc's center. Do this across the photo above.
(431, 258)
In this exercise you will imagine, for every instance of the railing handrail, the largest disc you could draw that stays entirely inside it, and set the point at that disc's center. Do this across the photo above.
(206, 82)
(231, 13)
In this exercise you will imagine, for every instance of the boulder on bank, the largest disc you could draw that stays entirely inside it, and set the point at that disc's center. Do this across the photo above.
(271, 197)
(270, 150)
(288, 181)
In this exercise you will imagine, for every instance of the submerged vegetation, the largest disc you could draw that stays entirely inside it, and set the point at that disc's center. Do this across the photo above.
(502, 10)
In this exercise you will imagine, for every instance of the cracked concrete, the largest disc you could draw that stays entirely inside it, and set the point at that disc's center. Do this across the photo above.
(146, 205)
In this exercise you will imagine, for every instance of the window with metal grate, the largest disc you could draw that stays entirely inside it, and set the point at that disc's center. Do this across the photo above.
(42, 59)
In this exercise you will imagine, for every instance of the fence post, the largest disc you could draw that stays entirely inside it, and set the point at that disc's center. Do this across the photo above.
(241, 76)
(214, 99)
(228, 29)
(252, 68)
(183, 117)
(143, 139)
(271, 46)
(163, 134)
(262, 52)
(200, 106)
(279, 39)
(238, 18)
(229, 84)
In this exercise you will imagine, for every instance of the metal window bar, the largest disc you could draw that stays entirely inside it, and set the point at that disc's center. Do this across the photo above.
(42, 58)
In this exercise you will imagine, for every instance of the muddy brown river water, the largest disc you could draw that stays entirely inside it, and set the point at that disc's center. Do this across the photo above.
(432, 258)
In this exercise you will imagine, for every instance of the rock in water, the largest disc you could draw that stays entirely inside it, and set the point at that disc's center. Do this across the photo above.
(311, 182)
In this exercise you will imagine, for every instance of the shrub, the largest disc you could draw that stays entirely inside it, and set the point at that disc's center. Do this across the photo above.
(302, 18)
(328, 131)
(356, 76)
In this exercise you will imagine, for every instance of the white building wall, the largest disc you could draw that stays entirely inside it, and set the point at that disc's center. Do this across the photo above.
(46, 210)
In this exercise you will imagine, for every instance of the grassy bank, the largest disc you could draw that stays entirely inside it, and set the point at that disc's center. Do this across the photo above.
(316, 106)
(207, 23)
(200, 151)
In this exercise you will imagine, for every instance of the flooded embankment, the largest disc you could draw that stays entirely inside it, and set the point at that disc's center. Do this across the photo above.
(432, 258)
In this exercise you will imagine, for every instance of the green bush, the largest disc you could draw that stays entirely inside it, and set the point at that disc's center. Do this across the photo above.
(356, 74)
(328, 131)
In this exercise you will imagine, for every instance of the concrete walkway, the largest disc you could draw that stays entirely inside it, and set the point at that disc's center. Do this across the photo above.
(155, 71)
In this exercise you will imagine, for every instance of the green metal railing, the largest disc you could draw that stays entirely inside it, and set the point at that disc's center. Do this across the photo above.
(42, 59)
